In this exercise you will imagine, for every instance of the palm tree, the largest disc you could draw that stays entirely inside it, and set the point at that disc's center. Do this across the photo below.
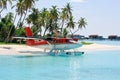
(45, 18)
(28, 4)
(63, 17)
(3, 4)
(35, 20)
(54, 15)
(20, 10)
(68, 10)
(33, 17)
(44, 15)
(66, 14)
(81, 24)
(6, 24)
(65, 32)
(71, 24)
(50, 19)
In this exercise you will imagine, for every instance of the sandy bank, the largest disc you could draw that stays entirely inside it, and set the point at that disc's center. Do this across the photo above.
(98, 47)
(19, 50)
(27, 50)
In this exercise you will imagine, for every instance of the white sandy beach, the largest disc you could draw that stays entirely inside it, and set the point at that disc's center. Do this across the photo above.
(98, 47)
(27, 50)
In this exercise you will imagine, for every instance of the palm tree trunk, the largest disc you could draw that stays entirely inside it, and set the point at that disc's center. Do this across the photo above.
(24, 16)
(62, 25)
(18, 24)
(1, 12)
(71, 32)
(36, 31)
(6, 40)
(45, 31)
(76, 31)
(40, 32)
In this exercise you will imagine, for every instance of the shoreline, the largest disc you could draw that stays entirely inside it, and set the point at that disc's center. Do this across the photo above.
(98, 47)
(27, 50)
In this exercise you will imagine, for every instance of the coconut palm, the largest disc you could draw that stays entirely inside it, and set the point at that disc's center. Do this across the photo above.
(22, 7)
(68, 10)
(45, 18)
(66, 14)
(50, 19)
(35, 20)
(81, 24)
(28, 4)
(33, 17)
(65, 32)
(44, 15)
(20, 10)
(63, 17)
(54, 15)
(3, 4)
(71, 24)
(6, 24)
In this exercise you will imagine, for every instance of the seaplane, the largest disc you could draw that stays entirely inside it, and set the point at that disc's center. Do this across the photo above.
(54, 46)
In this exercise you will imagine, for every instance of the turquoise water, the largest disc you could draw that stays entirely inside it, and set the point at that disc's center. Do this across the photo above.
(97, 65)
(107, 42)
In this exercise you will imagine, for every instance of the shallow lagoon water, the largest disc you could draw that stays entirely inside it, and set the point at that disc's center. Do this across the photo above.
(93, 65)
(106, 42)
(98, 65)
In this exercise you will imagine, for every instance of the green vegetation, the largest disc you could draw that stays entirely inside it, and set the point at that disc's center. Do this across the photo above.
(2, 43)
(86, 43)
(58, 22)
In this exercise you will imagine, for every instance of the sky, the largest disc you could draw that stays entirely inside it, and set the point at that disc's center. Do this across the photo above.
(102, 16)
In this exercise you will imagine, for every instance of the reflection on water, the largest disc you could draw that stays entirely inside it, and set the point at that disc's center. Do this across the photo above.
(74, 69)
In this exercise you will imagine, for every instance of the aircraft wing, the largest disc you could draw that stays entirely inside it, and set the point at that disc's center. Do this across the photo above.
(26, 38)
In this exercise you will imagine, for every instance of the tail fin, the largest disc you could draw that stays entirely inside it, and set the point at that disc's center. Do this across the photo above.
(28, 32)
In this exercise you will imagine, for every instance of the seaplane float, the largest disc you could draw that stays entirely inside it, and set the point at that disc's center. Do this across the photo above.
(53, 46)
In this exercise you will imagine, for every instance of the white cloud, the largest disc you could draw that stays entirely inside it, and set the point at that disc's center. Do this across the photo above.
(78, 1)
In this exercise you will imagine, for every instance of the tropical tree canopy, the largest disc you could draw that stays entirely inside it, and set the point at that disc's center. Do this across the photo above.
(43, 22)
(5, 25)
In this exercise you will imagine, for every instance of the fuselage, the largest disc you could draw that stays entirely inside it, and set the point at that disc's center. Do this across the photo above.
(58, 46)
(50, 43)
(56, 43)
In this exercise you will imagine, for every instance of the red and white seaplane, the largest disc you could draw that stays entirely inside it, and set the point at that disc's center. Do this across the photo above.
(54, 45)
